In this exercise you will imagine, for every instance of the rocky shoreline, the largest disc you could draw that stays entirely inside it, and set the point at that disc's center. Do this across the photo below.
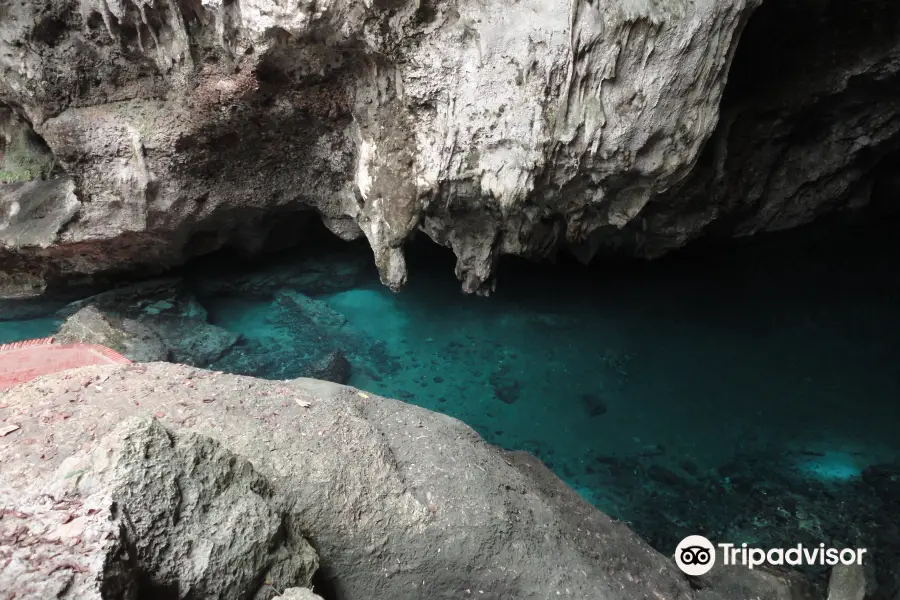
(169, 480)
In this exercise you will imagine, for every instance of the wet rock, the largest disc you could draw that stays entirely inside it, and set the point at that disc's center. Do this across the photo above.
(196, 342)
(508, 392)
(128, 337)
(291, 306)
(313, 273)
(147, 512)
(335, 368)
(158, 310)
(506, 388)
(884, 479)
(131, 300)
(304, 337)
(664, 476)
(762, 500)
(594, 404)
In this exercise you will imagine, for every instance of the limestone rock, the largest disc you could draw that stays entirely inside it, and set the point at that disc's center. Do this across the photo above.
(335, 368)
(153, 320)
(514, 128)
(399, 502)
(847, 582)
(511, 127)
(300, 336)
(299, 594)
(737, 582)
(130, 338)
(810, 124)
(289, 303)
(324, 271)
(150, 512)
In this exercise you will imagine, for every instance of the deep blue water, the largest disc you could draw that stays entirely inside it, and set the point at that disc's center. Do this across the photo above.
(694, 392)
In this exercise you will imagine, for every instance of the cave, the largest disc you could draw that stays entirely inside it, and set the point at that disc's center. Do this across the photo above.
(720, 363)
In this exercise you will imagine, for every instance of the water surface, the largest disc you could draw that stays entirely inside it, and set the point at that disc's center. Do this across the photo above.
(749, 392)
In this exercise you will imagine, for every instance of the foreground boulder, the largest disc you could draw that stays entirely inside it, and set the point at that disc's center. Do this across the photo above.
(147, 511)
(399, 502)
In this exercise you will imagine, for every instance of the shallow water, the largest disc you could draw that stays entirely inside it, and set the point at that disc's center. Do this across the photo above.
(671, 394)
(27, 329)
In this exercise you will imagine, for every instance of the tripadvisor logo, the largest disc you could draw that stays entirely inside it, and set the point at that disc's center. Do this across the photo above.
(696, 555)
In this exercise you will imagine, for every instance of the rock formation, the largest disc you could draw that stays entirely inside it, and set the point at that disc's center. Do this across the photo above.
(151, 321)
(518, 127)
(168, 481)
(150, 513)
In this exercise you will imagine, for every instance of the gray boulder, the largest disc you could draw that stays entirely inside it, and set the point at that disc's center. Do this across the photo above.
(299, 594)
(149, 321)
(335, 368)
(737, 582)
(148, 512)
(399, 502)
(847, 582)
(130, 338)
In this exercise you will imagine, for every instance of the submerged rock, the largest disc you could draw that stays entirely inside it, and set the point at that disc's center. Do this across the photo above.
(324, 272)
(335, 368)
(594, 404)
(153, 320)
(399, 502)
(300, 336)
(506, 387)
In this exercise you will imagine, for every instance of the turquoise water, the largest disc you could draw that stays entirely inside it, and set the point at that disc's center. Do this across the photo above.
(751, 393)
(26, 329)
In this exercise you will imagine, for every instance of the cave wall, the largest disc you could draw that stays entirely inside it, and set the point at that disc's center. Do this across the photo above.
(182, 126)
(810, 126)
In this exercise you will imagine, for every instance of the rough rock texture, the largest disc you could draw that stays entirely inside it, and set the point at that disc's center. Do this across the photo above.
(299, 594)
(149, 513)
(515, 127)
(847, 582)
(810, 124)
(126, 336)
(153, 320)
(333, 367)
(741, 583)
(399, 502)
(186, 125)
